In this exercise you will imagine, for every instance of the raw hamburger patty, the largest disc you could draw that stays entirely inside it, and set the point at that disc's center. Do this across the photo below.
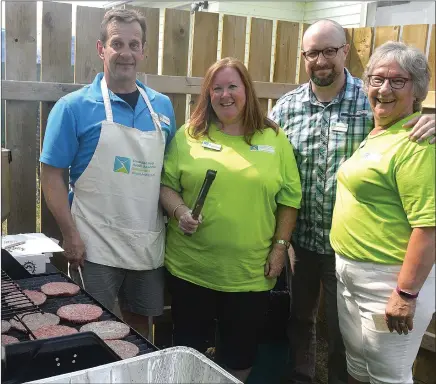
(38, 298)
(80, 313)
(35, 321)
(107, 330)
(6, 326)
(53, 331)
(123, 349)
(60, 289)
(6, 339)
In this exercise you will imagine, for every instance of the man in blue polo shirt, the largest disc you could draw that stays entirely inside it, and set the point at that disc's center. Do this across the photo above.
(112, 136)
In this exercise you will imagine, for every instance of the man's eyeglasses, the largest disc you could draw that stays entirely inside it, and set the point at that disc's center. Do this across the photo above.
(395, 82)
(328, 53)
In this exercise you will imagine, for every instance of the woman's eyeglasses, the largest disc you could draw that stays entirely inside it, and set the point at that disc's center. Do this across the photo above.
(394, 82)
(328, 53)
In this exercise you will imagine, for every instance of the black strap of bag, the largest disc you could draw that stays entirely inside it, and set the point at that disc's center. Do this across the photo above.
(279, 308)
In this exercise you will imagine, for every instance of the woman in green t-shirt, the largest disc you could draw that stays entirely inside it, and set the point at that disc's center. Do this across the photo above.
(228, 265)
(383, 229)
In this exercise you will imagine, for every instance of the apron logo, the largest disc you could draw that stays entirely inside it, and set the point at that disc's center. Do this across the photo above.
(122, 164)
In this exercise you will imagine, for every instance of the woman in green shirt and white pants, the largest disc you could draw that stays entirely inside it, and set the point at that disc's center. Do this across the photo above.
(383, 229)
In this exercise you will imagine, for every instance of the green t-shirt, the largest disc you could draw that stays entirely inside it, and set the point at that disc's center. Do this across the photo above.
(384, 190)
(229, 250)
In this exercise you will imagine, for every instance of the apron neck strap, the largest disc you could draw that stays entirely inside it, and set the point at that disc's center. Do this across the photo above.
(106, 100)
(108, 108)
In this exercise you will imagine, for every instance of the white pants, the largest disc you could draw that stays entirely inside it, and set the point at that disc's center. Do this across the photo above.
(379, 357)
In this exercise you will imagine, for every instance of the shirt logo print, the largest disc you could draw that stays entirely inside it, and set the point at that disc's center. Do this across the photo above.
(122, 164)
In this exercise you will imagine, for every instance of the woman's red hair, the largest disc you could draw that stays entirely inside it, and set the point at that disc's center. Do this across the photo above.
(253, 118)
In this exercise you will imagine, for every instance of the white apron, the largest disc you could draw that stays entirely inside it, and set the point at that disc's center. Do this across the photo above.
(116, 199)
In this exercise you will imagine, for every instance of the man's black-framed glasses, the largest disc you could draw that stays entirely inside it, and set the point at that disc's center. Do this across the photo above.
(396, 82)
(329, 53)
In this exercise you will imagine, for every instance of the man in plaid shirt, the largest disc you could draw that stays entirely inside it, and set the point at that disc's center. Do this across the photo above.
(325, 120)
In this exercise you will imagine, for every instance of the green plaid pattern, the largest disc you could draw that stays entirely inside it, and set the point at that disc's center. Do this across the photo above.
(320, 148)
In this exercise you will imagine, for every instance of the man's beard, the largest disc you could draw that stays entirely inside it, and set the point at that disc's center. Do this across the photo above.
(324, 81)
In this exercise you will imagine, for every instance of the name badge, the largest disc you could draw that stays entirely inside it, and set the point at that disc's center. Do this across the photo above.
(262, 148)
(164, 119)
(376, 157)
(214, 146)
(340, 127)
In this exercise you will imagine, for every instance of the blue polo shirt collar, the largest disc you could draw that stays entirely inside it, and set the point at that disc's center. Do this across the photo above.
(97, 95)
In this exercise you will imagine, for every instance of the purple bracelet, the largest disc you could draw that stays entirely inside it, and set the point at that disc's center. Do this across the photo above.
(405, 294)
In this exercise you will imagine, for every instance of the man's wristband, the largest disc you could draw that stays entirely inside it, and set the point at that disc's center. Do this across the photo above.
(406, 294)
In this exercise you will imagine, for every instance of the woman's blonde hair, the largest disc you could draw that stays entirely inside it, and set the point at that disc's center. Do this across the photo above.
(253, 118)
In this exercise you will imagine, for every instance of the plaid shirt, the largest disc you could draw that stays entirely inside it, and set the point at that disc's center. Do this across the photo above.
(323, 137)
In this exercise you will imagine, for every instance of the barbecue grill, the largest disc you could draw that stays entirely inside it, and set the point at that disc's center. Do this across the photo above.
(39, 359)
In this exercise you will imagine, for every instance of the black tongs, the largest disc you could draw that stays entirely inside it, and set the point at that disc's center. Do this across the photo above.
(201, 198)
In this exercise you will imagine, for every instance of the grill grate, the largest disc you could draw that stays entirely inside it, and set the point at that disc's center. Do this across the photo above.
(14, 303)
(52, 304)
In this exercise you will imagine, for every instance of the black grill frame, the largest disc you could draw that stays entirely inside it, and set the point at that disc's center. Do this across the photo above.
(53, 346)
(54, 303)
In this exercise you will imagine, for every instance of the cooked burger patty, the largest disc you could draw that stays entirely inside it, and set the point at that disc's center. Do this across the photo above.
(123, 349)
(38, 298)
(53, 331)
(107, 330)
(6, 326)
(6, 339)
(80, 313)
(35, 321)
(60, 289)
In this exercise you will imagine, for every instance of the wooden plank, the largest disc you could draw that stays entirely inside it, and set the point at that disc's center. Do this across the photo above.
(349, 36)
(175, 54)
(204, 46)
(361, 50)
(87, 62)
(415, 35)
(21, 117)
(55, 66)
(302, 77)
(44, 91)
(432, 59)
(56, 42)
(384, 34)
(430, 100)
(259, 57)
(286, 52)
(234, 36)
(150, 62)
(205, 42)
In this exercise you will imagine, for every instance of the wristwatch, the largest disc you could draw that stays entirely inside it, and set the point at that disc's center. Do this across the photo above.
(287, 244)
(406, 295)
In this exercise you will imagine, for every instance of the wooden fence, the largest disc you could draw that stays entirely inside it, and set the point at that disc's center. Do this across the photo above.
(26, 96)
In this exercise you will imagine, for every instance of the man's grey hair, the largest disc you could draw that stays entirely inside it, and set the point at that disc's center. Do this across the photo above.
(123, 16)
(410, 59)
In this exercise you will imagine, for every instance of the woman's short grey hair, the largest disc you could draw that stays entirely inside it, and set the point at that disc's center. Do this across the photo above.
(410, 59)
(123, 16)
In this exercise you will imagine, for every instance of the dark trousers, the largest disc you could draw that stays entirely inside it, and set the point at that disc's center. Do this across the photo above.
(311, 269)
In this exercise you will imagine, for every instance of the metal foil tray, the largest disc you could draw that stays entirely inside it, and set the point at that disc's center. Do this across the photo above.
(171, 365)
